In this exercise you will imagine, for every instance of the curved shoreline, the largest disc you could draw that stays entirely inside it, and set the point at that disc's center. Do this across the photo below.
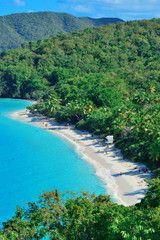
(128, 188)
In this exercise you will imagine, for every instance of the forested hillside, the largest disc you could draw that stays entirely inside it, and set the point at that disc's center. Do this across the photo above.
(20, 27)
(103, 79)
(106, 80)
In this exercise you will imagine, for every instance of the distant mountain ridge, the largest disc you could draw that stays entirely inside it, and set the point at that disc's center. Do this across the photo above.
(20, 27)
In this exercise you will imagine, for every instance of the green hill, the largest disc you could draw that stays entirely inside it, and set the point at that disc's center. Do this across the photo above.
(106, 80)
(20, 27)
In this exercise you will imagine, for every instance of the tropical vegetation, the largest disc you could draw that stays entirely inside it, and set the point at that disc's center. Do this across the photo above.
(19, 27)
(106, 80)
(85, 216)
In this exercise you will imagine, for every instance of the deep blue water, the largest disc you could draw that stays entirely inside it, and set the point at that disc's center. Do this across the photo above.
(33, 160)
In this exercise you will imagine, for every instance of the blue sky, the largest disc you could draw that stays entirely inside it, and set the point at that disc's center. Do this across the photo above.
(124, 9)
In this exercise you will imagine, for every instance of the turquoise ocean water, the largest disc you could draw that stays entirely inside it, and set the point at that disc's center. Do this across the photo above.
(33, 160)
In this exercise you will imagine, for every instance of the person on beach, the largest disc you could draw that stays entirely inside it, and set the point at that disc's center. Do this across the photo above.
(120, 173)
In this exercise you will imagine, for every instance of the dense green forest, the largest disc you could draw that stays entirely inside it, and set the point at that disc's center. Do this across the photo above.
(84, 216)
(106, 80)
(19, 27)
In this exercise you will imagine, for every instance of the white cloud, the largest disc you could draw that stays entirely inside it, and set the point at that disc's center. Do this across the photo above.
(112, 1)
(82, 9)
(153, 1)
(112, 8)
(130, 4)
(19, 3)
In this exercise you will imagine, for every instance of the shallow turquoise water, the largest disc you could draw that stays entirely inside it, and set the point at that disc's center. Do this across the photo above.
(33, 160)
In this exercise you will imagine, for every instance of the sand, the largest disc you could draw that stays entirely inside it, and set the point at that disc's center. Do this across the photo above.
(128, 188)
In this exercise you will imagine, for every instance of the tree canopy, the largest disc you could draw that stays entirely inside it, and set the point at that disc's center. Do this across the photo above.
(106, 80)
(19, 27)
(86, 216)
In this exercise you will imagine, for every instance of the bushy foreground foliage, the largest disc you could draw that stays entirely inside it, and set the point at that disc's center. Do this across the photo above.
(76, 216)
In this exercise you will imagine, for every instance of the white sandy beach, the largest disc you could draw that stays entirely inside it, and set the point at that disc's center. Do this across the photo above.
(128, 188)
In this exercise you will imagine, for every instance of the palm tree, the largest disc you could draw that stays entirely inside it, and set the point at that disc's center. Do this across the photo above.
(154, 151)
(52, 103)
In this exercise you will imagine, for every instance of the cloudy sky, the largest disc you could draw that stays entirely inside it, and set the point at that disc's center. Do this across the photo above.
(124, 9)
